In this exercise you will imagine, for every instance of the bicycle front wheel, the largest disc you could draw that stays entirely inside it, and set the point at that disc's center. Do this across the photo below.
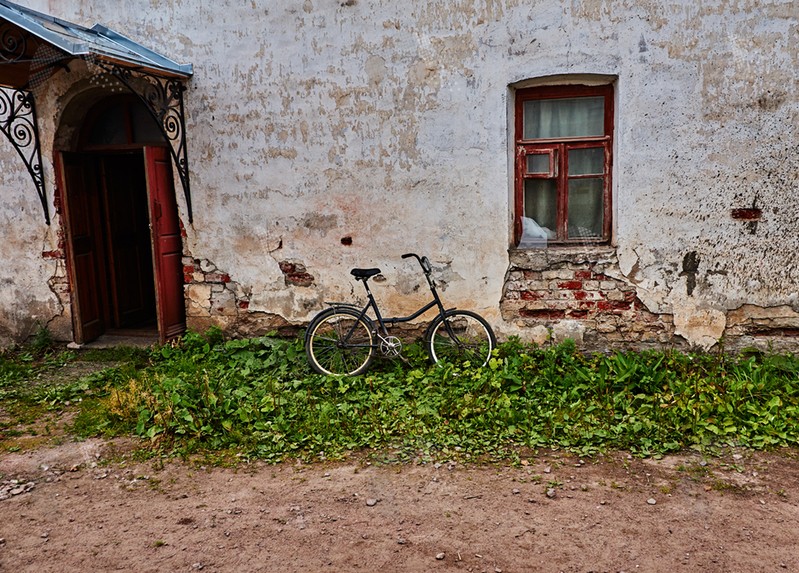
(339, 342)
(462, 338)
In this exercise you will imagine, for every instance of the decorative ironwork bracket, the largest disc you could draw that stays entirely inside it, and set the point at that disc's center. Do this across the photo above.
(18, 120)
(19, 124)
(163, 98)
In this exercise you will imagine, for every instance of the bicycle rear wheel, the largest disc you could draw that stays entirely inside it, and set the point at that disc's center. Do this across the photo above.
(339, 342)
(462, 338)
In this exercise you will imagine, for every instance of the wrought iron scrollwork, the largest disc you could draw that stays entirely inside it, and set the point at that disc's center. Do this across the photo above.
(18, 120)
(163, 98)
(18, 123)
(13, 44)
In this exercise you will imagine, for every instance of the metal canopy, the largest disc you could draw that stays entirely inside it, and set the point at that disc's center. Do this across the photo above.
(54, 38)
(33, 46)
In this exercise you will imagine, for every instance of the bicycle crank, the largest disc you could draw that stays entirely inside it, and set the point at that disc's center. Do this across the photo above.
(390, 346)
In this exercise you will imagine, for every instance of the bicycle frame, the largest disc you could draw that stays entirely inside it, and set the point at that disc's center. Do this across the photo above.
(345, 338)
(381, 321)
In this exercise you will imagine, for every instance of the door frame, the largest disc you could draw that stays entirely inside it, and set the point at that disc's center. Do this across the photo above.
(165, 239)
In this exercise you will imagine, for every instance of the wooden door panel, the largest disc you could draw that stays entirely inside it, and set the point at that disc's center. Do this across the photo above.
(167, 243)
(85, 261)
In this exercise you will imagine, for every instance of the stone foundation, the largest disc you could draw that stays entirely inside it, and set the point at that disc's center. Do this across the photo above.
(577, 294)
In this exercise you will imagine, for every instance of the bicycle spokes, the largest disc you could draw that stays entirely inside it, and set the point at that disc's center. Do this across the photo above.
(340, 343)
(462, 339)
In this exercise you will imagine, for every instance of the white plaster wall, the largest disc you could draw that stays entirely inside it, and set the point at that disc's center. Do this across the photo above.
(387, 122)
(26, 300)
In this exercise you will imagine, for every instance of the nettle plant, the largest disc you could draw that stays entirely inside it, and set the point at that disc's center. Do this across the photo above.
(258, 398)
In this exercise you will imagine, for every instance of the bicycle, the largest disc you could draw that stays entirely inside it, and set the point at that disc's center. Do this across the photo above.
(343, 340)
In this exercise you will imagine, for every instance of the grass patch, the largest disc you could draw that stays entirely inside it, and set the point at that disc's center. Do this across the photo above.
(38, 383)
(257, 398)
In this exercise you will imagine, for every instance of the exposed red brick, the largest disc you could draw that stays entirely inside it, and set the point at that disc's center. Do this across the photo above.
(571, 285)
(57, 254)
(287, 267)
(577, 313)
(531, 295)
(612, 305)
(583, 275)
(299, 279)
(188, 269)
(244, 304)
(580, 295)
(542, 313)
(746, 214)
(217, 278)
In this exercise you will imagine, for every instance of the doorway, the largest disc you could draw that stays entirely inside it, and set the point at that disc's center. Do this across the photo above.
(122, 231)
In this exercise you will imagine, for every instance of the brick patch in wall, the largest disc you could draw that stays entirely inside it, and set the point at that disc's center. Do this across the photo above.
(546, 288)
(211, 292)
(295, 274)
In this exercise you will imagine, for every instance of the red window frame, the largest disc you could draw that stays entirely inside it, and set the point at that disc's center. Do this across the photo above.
(558, 150)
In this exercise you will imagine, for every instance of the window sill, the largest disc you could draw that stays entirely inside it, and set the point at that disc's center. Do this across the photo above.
(542, 258)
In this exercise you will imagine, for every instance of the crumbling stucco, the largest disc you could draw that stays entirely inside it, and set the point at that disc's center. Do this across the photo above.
(339, 134)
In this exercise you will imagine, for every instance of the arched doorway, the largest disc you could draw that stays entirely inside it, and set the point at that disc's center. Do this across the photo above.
(122, 231)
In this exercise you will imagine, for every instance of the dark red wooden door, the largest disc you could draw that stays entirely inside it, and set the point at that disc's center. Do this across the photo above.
(84, 243)
(167, 243)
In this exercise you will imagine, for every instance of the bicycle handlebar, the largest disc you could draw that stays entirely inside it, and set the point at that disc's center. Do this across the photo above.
(424, 262)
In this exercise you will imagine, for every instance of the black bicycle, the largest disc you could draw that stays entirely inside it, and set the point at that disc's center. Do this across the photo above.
(343, 339)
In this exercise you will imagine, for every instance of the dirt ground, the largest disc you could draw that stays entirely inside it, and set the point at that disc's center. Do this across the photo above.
(87, 506)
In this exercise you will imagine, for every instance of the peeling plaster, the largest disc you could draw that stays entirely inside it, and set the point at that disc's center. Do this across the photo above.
(701, 326)
(340, 134)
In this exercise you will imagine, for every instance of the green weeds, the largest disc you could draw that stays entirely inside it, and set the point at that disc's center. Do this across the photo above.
(258, 398)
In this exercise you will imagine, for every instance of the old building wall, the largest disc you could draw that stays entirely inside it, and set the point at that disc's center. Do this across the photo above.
(327, 134)
(33, 288)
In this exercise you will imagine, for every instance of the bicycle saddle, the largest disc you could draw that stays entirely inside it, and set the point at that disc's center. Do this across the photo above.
(363, 274)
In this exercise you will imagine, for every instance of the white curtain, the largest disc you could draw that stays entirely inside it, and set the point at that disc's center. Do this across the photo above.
(565, 117)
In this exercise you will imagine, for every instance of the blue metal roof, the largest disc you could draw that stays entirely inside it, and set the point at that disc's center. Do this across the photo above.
(97, 41)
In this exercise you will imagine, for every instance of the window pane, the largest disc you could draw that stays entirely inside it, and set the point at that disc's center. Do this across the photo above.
(540, 205)
(586, 208)
(565, 117)
(538, 163)
(587, 161)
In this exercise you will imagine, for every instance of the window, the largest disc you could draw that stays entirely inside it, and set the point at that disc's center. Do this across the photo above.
(564, 142)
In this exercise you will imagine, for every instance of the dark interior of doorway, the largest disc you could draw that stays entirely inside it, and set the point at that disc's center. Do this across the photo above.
(129, 304)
